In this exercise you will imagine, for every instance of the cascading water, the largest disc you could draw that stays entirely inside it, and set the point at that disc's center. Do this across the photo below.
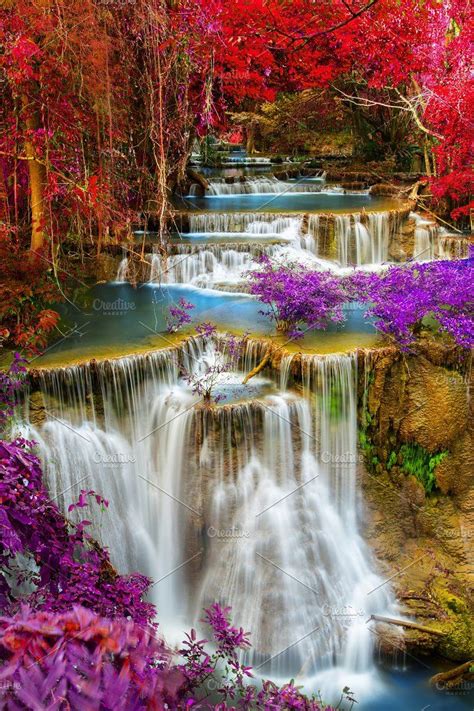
(253, 503)
(250, 223)
(267, 185)
(434, 242)
(294, 564)
(342, 232)
(362, 243)
(424, 248)
(452, 246)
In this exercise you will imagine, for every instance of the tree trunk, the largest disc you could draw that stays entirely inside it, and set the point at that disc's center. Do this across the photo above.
(250, 143)
(37, 175)
(258, 368)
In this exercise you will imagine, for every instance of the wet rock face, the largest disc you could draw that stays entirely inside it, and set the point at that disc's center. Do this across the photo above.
(427, 539)
(436, 406)
(403, 240)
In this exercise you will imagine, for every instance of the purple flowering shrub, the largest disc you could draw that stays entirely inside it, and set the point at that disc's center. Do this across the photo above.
(403, 300)
(79, 660)
(217, 680)
(65, 566)
(179, 316)
(298, 298)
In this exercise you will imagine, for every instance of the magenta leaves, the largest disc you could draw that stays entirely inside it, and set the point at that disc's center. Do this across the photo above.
(298, 299)
(67, 567)
(11, 383)
(80, 660)
(437, 297)
(179, 315)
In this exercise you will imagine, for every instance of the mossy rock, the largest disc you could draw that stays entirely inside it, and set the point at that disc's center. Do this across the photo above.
(458, 643)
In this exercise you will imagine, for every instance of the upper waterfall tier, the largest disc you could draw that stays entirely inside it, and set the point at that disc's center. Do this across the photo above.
(220, 248)
(261, 186)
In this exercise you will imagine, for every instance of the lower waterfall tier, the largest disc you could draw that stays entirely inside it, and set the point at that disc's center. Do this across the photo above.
(253, 503)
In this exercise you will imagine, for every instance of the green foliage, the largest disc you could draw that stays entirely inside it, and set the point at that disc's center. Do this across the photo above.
(365, 444)
(391, 460)
(416, 460)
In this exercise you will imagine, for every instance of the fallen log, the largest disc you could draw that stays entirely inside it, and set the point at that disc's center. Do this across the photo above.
(454, 677)
(198, 178)
(409, 625)
(255, 371)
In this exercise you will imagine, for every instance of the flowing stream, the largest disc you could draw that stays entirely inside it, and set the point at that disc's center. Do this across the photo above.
(253, 502)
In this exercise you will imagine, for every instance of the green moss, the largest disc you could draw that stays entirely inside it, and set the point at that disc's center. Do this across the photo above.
(457, 624)
(391, 460)
(417, 461)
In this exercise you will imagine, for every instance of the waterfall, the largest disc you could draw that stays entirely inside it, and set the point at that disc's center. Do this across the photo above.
(452, 246)
(434, 242)
(205, 267)
(364, 252)
(424, 247)
(259, 186)
(224, 263)
(342, 231)
(252, 503)
(311, 239)
(257, 223)
(361, 243)
(293, 551)
(379, 230)
(122, 270)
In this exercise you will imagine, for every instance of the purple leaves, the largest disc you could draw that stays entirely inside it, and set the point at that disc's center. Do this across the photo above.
(11, 383)
(68, 567)
(82, 502)
(80, 660)
(179, 315)
(298, 298)
(438, 296)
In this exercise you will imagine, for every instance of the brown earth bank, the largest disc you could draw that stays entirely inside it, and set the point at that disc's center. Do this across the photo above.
(415, 413)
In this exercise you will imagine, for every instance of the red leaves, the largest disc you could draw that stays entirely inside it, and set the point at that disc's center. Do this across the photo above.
(34, 338)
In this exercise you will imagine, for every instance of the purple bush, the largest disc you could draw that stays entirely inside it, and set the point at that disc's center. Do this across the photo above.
(402, 300)
(297, 297)
(79, 660)
(179, 315)
(67, 567)
(11, 383)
